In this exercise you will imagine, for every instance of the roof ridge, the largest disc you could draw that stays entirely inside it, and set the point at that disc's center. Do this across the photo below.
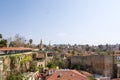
(78, 73)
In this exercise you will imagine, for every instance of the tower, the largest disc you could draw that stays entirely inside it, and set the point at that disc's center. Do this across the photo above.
(41, 45)
(49, 46)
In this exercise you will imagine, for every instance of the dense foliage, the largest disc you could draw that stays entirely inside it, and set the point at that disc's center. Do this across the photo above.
(51, 65)
(15, 76)
(3, 42)
(92, 78)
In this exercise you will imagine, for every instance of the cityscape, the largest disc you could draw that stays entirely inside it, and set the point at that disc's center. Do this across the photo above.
(59, 40)
(25, 61)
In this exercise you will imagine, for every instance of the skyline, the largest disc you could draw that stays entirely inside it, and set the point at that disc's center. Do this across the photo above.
(62, 21)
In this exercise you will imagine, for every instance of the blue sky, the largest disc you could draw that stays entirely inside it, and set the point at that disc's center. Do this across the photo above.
(62, 21)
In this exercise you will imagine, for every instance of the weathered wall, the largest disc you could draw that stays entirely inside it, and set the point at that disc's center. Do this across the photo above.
(16, 62)
(40, 63)
(100, 64)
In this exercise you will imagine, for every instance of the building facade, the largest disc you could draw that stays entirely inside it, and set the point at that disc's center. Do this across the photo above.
(99, 64)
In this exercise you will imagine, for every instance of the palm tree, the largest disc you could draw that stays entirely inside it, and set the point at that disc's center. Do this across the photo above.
(30, 41)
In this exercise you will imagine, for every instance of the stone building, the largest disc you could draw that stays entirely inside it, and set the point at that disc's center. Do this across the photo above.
(98, 64)
(41, 45)
(117, 63)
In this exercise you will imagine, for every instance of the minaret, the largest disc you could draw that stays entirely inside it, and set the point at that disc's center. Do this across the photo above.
(49, 46)
(41, 45)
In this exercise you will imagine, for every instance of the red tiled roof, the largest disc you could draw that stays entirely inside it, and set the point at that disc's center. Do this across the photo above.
(116, 54)
(86, 73)
(116, 79)
(67, 75)
(14, 48)
(52, 69)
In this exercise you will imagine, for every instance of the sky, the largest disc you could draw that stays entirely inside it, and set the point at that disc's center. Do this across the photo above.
(62, 21)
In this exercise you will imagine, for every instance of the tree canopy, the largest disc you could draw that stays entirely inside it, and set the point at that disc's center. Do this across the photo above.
(51, 65)
(0, 35)
(30, 42)
(18, 41)
(3, 42)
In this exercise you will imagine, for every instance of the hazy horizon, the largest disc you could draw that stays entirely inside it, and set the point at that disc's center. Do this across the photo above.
(91, 22)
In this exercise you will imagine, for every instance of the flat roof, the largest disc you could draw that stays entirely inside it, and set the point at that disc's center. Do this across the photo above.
(14, 48)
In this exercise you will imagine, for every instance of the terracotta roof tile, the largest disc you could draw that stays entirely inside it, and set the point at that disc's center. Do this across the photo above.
(116, 79)
(116, 54)
(67, 75)
(86, 73)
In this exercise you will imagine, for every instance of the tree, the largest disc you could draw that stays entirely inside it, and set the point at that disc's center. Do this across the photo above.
(78, 67)
(119, 46)
(18, 41)
(30, 42)
(100, 47)
(92, 78)
(51, 65)
(12, 44)
(15, 76)
(3, 43)
(8, 41)
(87, 47)
(0, 36)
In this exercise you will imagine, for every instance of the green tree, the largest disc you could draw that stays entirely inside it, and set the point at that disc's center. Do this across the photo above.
(78, 67)
(92, 78)
(30, 41)
(12, 44)
(3, 43)
(14, 76)
(51, 65)
(87, 47)
(0, 36)
(33, 68)
(100, 47)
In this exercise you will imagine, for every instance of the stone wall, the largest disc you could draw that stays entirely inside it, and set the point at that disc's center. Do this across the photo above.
(100, 64)
(15, 63)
